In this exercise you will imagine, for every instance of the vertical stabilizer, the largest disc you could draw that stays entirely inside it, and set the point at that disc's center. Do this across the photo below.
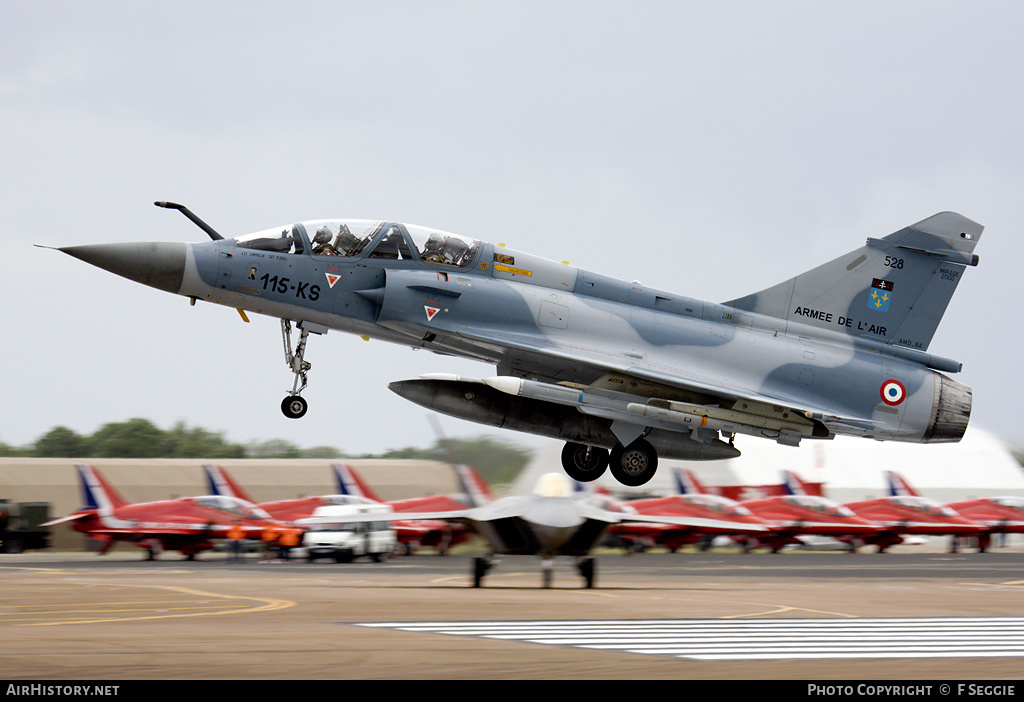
(474, 487)
(898, 487)
(351, 483)
(792, 484)
(221, 483)
(892, 290)
(96, 491)
(687, 482)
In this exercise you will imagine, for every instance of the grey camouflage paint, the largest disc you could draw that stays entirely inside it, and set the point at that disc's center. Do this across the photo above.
(840, 349)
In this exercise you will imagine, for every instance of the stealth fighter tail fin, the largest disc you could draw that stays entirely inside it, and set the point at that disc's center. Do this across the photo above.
(893, 290)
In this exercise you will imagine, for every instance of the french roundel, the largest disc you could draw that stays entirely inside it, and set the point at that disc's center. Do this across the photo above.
(893, 392)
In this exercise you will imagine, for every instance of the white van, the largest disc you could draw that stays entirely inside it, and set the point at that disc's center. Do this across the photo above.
(331, 533)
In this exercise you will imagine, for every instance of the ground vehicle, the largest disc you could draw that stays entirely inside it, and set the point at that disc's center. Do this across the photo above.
(329, 535)
(19, 525)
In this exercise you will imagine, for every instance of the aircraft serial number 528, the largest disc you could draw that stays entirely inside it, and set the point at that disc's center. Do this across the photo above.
(621, 372)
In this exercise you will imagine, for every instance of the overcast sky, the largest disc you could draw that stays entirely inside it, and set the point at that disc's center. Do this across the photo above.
(707, 148)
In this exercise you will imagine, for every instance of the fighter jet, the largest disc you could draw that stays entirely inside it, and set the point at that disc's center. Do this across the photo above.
(899, 515)
(995, 515)
(352, 489)
(554, 520)
(794, 515)
(621, 372)
(692, 500)
(186, 524)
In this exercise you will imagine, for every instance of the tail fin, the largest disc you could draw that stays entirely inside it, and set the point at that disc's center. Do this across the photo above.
(894, 290)
(687, 483)
(792, 484)
(221, 483)
(898, 487)
(351, 483)
(96, 491)
(476, 489)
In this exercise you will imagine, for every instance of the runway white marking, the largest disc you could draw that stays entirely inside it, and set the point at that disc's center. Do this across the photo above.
(761, 639)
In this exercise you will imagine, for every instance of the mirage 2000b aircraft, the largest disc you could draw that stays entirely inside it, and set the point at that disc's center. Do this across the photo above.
(621, 372)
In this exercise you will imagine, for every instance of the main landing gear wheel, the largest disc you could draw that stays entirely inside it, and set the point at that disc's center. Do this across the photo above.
(294, 406)
(635, 464)
(584, 463)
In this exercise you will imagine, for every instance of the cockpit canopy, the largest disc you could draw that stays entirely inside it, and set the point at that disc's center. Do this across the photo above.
(347, 500)
(717, 503)
(359, 237)
(820, 504)
(1014, 502)
(925, 505)
(233, 506)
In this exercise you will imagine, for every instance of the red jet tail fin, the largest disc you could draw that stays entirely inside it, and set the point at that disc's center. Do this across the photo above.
(898, 487)
(793, 485)
(475, 487)
(687, 482)
(351, 483)
(221, 483)
(96, 491)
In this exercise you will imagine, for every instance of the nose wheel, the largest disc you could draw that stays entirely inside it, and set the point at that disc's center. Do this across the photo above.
(294, 406)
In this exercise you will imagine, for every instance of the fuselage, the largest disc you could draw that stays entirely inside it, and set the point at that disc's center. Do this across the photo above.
(702, 506)
(809, 514)
(997, 514)
(914, 515)
(554, 324)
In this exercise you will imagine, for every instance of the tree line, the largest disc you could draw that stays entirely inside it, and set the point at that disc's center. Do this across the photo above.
(496, 461)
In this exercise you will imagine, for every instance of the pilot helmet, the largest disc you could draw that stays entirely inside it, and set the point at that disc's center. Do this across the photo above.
(434, 243)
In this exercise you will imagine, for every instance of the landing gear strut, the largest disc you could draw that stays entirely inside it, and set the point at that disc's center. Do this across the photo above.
(586, 567)
(480, 568)
(294, 405)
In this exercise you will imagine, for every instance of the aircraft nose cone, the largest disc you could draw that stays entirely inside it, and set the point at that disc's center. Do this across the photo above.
(160, 265)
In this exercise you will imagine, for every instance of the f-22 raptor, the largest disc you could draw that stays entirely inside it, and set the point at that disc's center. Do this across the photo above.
(621, 372)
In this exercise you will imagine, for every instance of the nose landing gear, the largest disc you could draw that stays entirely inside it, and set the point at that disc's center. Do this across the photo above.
(294, 405)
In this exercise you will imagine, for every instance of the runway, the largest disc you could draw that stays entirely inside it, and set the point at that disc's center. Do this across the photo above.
(820, 616)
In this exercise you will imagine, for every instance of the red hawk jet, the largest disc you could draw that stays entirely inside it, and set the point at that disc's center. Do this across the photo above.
(186, 524)
(692, 501)
(411, 534)
(906, 513)
(994, 515)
